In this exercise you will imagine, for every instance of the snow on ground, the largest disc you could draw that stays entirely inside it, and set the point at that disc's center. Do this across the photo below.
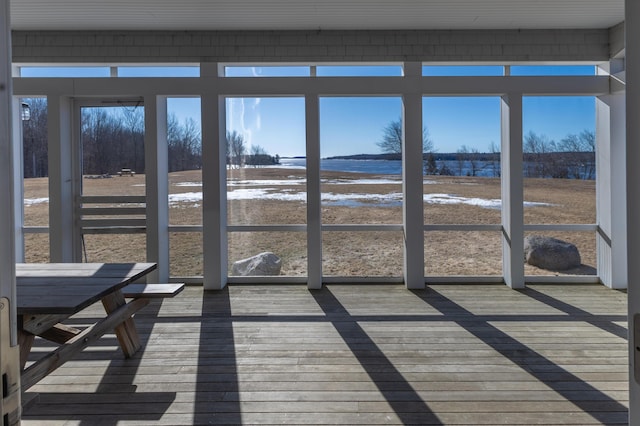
(391, 198)
(362, 181)
(354, 199)
(480, 202)
(32, 201)
(263, 182)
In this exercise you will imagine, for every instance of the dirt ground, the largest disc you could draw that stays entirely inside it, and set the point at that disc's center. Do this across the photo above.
(345, 253)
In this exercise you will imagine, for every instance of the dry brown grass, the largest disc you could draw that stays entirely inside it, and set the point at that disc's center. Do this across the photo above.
(344, 253)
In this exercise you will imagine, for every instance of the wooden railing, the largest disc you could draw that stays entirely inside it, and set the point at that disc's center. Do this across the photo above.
(112, 214)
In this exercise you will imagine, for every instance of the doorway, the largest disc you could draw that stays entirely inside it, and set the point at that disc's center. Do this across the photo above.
(110, 202)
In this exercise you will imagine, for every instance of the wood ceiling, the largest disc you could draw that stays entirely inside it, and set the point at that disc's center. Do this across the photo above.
(313, 14)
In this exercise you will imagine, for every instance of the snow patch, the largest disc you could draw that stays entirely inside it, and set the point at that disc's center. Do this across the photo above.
(479, 202)
(32, 201)
(393, 198)
(362, 181)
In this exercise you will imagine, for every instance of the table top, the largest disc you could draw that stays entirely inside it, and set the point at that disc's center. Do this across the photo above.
(67, 288)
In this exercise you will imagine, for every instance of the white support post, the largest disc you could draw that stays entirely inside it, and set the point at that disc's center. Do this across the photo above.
(157, 185)
(314, 216)
(632, 49)
(214, 187)
(7, 249)
(412, 178)
(512, 193)
(63, 243)
(18, 178)
(610, 201)
(9, 362)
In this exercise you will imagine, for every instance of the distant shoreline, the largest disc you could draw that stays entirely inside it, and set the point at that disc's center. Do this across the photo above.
(445, 156)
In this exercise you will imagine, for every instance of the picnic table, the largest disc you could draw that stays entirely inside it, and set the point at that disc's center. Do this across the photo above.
(49, 293)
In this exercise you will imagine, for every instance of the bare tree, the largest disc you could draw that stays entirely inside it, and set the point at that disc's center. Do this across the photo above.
(173, 128)
(494, 163)
(184, 144)
(589, 140)
(391, 142)
(192, 143)
(236, 148)
(583, 142)
(474, 161)
(259, 157)
(103, 148)
(134, 118)
(579, 154)
(112, 139)
(461, 159)
(35, 139)
(468, 157)
(539, 158)
(430, 165)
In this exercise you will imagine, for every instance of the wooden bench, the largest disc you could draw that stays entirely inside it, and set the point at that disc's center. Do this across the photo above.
(152, 291)
(105, 214)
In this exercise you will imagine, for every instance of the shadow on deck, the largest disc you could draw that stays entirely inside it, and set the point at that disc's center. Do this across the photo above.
(356, 354)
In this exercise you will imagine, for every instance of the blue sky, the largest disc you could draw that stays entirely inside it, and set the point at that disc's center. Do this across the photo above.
(355, 125)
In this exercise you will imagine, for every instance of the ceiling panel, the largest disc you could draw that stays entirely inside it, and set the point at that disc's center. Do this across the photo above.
(313, 14)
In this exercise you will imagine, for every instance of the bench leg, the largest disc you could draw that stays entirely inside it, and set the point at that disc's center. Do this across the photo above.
(25, 341)
(48, 363)
(126, 331)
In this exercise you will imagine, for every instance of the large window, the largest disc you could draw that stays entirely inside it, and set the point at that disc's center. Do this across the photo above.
(361, 184)
(461, 188)
(35, 168)
(266, 183)
(559, 169)
(359, 230)
(184, 145)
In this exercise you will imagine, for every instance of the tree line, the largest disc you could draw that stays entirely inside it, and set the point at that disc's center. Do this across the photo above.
(573, 157)
(238, 156)
(34, 140)
(113, 139)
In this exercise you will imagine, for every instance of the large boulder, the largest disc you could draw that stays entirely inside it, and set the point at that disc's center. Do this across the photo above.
(265, 263)
(550, 253)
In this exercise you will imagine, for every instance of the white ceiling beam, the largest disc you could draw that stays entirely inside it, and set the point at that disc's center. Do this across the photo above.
(298, 86)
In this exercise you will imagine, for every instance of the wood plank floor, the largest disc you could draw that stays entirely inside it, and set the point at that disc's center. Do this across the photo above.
(355, 354)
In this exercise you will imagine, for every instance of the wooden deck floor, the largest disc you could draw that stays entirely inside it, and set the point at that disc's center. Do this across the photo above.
(356, 354)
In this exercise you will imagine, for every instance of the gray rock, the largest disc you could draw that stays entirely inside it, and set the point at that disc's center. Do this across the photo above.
(265, 263)
(550, 253)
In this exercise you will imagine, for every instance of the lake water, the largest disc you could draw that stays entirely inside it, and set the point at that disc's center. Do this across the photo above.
(384, 167)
